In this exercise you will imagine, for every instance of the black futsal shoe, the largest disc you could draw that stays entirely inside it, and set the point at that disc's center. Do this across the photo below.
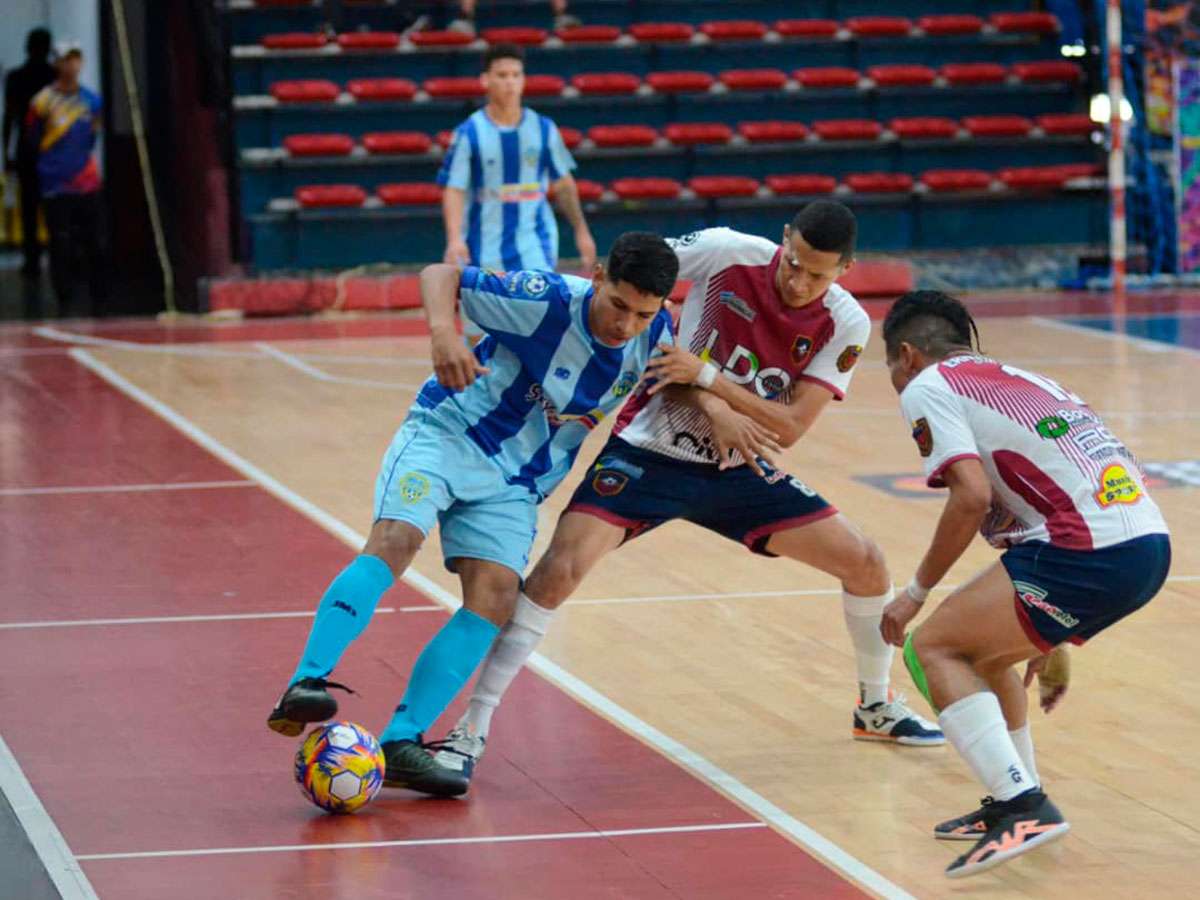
(410, 765)
(305, 701)
(1015, 826)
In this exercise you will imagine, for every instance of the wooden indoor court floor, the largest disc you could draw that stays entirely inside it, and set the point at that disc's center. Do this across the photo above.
(690, 692)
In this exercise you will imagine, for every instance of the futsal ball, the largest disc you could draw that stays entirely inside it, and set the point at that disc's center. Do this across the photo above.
(339, 767)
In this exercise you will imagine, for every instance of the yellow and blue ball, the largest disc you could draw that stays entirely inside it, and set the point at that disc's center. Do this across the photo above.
(340, 767)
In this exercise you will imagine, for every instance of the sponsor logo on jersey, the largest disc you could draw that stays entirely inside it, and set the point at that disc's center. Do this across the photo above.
(626, 383)
(739, 306)
(589, 420)
(1117, 486)
(1053, 427)
(608, 483)
(1033, 596)
(744, 367)
(923, 435)
(413, 487)
(801, 346)
(848, 357)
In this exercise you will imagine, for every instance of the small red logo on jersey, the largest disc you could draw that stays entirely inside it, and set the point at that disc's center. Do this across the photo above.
(923, 435)
(848, 357)
(801, 347)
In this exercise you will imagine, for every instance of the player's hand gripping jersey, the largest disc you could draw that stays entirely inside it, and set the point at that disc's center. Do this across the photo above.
(733, 316)
(1057, 473)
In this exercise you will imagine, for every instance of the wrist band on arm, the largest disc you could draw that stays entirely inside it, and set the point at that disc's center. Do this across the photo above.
(707, 375)
(916, 592)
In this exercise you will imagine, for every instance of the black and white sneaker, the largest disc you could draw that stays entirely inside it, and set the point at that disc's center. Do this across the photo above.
(1015, 826)
(969, 827)
(459, 752)
(304, 702)
(894, 722)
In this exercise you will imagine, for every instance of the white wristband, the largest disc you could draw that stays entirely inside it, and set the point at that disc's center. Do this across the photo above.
(707, 375)
(916, 592)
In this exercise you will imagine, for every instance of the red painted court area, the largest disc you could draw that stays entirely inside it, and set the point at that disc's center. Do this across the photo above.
(145, 738)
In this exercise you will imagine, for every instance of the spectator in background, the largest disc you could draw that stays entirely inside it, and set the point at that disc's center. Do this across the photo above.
(466, 16)
(63, 122)
(496, 177)
(20, 87)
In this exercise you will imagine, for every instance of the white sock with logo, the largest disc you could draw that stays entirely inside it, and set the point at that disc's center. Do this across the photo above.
(1022, 739)
(512, 647)
(975, 726)
(872, 654)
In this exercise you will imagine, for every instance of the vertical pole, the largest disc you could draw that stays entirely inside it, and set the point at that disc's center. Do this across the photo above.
(1116, 154)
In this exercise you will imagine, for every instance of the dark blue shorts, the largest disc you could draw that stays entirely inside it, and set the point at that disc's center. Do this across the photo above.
(640, 489)
(1072, 595)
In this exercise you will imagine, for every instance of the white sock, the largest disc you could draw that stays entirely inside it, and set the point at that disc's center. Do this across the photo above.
(975, 726)
(511, 648)
(1022, 739)
(872, 653)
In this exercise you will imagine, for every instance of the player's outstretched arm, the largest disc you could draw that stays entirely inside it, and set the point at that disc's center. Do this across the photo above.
(455, 366)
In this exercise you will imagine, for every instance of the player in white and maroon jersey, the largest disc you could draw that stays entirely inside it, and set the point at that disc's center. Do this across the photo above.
(772, 340)
(1035, 469)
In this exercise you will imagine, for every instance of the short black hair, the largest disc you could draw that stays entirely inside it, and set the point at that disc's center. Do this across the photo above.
(37, 43)
(502, 51)
(933, 322)
(645, 260)
(828, 226)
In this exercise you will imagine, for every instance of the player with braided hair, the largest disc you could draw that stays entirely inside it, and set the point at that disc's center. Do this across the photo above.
(1035, 469)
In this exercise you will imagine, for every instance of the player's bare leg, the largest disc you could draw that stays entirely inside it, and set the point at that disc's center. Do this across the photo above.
(972, 640)
(836, 546)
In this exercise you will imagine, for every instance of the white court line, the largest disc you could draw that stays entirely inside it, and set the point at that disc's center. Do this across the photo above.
(320, 375)
(121, 488)
(829, 852)
(434, 842)
(193, 349)
(60, 863)
(215, 617)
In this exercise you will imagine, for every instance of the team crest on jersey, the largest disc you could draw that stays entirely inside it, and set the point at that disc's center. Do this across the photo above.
(625, 384)
(1117, 486)
(801, 346)
(608, 483)
(923, 435)
(534, 284)
(413, 487)
(848, 357)
(739, 306)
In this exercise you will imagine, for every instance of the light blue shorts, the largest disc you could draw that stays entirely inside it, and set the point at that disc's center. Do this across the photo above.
(431, 474)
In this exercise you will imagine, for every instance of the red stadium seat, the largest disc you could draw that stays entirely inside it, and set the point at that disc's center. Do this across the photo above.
(381, 89)
(679, 82)
(305, 91)
(589, 34)
(606, 83)
(1034, 178)
(646, 188)
(772, 132)
(526, 37)
(879, 26)
(1066, 123)
(622, 135)
(397, 142)
(457, 87)
(848, 129)
(924, 127)
(318, 144)
(589, 190)
(444, 139)
(662, 32)
(687, 134)
(440, 38)
(997, 126)
(974, 73)
(544, 85)
(293, 40)
(947, 180)
(1026, 22)
(807, 28)
(754, 79)
(572, 137)
(734, 30)
(802, 184)
(951, 24)
(827, 77)
(905, 75)
(369, 40)
(723, 186)
(417, 193)
(880, 182)
(1081, 170)
(1048, 70)
(315, 196)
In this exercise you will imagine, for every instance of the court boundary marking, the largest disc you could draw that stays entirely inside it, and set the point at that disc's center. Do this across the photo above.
(201, 617)
(122, 488)
(820, 847)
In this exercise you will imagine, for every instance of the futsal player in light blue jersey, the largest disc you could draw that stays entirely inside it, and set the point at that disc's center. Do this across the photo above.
(496, 176)
(490, 435)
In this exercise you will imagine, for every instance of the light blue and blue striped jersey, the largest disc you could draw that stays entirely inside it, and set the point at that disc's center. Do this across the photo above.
(550, 382)
(505, 173)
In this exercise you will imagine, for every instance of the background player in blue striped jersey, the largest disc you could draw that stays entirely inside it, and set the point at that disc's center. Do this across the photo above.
(504, 159)
(490, 435)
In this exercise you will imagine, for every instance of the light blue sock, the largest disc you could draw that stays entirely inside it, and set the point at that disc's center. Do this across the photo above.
(343, 613)
(440, 673)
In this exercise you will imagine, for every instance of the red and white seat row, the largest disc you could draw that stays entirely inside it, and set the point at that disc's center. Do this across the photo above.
(686, 134)
(326, 196)
(679, 32)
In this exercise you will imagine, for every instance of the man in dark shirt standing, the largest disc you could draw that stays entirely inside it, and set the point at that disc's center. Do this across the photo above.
(20, 87)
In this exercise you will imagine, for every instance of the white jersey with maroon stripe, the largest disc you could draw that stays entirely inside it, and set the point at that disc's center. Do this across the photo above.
(733, 316)
(1057, 473)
